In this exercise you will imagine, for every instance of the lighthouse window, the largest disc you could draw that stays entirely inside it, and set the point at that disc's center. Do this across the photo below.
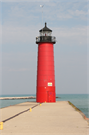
(45, 33)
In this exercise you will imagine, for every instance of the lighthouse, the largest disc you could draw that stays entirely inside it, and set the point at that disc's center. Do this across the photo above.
(45, 88)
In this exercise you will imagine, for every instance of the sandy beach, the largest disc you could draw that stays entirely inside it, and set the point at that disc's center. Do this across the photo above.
(58, 118)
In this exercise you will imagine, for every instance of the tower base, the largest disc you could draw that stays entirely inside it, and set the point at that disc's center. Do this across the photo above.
(45, 94)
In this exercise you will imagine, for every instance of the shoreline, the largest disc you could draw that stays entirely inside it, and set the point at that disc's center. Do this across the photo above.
(77, 109)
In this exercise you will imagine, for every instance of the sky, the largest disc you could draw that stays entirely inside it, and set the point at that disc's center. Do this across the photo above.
(20, 22)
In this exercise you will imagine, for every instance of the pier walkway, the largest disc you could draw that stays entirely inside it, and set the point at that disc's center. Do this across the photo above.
(58, 118)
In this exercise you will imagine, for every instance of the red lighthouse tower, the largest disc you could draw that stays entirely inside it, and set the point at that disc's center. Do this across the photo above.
(45, 90)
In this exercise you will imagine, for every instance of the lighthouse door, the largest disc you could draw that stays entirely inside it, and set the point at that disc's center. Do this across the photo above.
(49, 96)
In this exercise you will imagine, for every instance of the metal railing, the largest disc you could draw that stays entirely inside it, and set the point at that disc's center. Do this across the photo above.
(46, 39)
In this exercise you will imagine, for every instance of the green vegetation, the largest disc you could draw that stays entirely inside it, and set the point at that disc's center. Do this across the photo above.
(74, 106)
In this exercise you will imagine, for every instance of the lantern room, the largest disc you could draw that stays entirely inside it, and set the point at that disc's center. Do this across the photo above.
(45, 35)
(45, 31)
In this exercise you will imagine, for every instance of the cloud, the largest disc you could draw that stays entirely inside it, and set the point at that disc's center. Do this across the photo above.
(20, 69)
(19, 61)
(64, 16)
(24, 0)
(44, 0)
(18, 14)
(71, 11)
(73, 14)
(17, 35)
(77, 12)
(69, 0)
(20, 39)
(30, 13)
(71, 36)
(0, 33)
(21, 24)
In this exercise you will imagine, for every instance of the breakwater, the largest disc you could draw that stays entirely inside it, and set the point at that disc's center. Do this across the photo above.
(30, 97)
(6, 98)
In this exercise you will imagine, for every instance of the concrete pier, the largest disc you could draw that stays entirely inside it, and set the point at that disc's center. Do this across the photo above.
(58, 118)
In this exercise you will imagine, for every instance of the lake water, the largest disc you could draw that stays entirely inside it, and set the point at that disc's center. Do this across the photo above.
(81, 101)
